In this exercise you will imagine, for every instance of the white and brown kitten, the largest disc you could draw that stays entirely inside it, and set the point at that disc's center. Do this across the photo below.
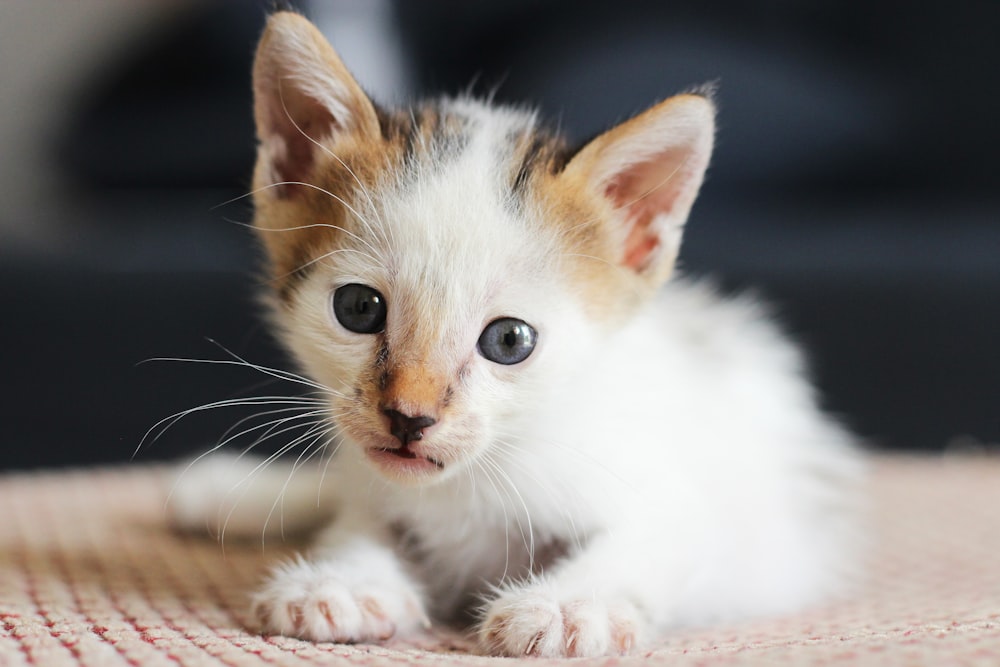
(533, 423)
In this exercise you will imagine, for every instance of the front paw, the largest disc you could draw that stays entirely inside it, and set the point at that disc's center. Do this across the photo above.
(326, 602)
(533, 623)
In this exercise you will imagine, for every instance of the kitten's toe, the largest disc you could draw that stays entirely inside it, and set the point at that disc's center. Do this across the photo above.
(330, 614)
(624, 628)
(523, 625)
(318, 603)
(531, 623)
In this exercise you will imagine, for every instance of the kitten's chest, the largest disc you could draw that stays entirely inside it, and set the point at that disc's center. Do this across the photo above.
(458, 556)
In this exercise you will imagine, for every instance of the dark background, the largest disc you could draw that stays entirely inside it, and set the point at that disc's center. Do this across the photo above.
(854, 185)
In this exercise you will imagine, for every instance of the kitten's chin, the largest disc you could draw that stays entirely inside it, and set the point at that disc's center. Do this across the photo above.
(402, 464)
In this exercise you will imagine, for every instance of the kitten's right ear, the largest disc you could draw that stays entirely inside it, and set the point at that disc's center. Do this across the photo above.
(303, 95)
(647, 171)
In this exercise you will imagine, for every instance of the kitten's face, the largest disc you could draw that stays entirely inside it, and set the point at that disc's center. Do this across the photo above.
(444, 300)
(440, 269)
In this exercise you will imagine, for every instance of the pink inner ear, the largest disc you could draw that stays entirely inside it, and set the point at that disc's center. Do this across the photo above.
(298, 121)
(642, 193)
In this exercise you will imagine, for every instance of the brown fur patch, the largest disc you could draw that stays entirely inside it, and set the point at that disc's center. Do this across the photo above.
(312, 220)
(333, 142)
(415, 390)
(583, 222)
(315, 219)
(537, 154)
(548, 554)
(610, 247)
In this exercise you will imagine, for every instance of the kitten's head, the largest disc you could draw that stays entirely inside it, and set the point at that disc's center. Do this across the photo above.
(441, 268)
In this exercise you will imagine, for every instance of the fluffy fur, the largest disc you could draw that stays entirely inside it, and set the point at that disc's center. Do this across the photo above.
(657, 460)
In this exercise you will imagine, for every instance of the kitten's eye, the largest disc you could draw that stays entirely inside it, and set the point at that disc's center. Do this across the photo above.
(359, 308)
(507, 341)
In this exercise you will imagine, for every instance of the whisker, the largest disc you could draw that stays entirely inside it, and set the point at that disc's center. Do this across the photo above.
(557, 500)
(263, 188)
(506, 518)
(384, 230)
(528, 539)
(277, 372)
(326, 256)
(308, 452)
(258, 415)
(595, 258)
(273, 429)
(635, 288)
(266, 436)
(334, 436)
(314, 225)
(336, 157)
(356, 237)
(238, 361)
(575, 453)
(163, 425)
(260, 467)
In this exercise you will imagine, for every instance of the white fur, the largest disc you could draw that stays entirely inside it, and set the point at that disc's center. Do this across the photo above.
(678, 456)
(245, 502)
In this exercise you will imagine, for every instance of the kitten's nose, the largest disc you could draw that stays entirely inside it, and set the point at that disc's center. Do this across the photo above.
(406, 428)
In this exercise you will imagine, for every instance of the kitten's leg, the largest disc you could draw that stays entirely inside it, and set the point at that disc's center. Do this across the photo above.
(352, 588)
(597, 602)
(231, 495)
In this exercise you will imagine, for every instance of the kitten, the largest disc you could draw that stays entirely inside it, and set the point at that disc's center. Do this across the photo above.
(533, 424)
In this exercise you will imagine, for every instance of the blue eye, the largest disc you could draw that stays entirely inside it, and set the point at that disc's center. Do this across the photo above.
(507, 341)
(359, 308)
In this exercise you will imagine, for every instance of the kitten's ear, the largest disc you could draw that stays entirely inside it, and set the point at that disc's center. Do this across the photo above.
(303, 94)
(649, 170)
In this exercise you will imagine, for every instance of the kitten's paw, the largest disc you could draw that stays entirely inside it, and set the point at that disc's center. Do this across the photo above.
(322, 602)
(533, 623)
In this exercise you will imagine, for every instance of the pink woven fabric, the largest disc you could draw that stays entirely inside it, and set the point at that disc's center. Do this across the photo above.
(89, 575)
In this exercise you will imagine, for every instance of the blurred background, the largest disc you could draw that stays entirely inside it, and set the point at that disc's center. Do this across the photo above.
(854, 185)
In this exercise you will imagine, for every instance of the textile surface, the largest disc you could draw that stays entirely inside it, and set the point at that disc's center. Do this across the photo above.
(91, 575)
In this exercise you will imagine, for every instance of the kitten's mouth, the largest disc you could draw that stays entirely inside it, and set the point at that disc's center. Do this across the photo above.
(405, 452)
(403, 459)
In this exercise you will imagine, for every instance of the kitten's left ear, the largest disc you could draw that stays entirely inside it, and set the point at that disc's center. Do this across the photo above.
(649, 170)
(303, 94)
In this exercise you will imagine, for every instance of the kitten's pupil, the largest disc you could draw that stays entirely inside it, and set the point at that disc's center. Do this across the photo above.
(359, 308)
(507, 341)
